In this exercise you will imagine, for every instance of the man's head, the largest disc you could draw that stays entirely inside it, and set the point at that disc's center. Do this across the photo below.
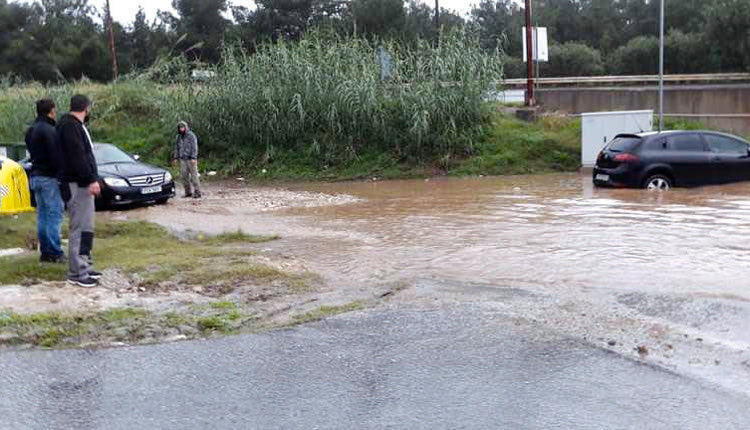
(182, 127)
(46, 107)
(80, 106)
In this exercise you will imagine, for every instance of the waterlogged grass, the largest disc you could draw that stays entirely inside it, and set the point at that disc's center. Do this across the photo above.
(327, 312)
(512, 146)
(151, 252)
(140, 326)
(238, 236)
(126, 325)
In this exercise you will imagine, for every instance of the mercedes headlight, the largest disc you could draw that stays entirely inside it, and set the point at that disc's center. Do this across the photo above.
(168, 177)
(116, 182)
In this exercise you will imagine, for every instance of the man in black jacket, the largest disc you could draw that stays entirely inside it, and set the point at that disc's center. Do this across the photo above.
(81, 176)
(41, 141)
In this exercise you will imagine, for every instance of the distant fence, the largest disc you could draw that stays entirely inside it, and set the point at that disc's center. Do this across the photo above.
(719, 78)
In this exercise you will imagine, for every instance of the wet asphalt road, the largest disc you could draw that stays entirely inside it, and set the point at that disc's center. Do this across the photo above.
(458, 366)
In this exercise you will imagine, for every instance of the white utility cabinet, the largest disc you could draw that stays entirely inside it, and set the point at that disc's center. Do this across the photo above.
(598, 128)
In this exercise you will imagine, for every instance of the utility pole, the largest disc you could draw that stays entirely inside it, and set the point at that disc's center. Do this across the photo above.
(529, 58)
(437, 14)
(112, 42)
(661, 68)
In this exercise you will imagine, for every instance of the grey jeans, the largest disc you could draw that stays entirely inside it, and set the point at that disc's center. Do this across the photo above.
(189, 176)
(81, 236)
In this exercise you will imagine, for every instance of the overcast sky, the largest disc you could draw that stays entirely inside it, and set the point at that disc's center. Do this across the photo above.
(124, 11)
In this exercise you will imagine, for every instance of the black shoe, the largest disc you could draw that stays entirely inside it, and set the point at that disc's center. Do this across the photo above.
(55, 259)
(197, 195)
(85, 283)
(187, 195)
(93, 274)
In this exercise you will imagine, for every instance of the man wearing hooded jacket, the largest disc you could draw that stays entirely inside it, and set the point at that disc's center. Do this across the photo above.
(81, 176)
(186, 151)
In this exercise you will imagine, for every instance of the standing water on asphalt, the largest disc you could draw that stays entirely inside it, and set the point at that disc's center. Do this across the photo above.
(552, 230)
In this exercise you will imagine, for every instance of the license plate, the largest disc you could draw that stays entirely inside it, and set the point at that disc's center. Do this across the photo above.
(601, 177)
(150, 190)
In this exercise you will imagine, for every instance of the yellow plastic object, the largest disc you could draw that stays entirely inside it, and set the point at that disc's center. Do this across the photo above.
(14, 188)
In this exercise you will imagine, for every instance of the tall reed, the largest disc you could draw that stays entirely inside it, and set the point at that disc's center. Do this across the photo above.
(322, 99)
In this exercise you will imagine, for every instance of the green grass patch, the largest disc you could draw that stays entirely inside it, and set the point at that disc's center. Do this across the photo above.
(224, 305)
(327, 311)
(213, 323)
(238, 237)
(512, 146)
(148, 250)
(131, 325)
(18, 231)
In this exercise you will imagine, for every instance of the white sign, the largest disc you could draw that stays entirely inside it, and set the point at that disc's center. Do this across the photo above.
(539, 44)
(3, 152)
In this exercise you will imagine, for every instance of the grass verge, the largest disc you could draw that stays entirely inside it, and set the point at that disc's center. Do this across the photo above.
(327, 312)
(512, 147)
(150, 254)
(121, 325)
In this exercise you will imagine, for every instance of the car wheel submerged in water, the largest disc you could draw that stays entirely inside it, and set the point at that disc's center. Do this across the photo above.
(657, 183)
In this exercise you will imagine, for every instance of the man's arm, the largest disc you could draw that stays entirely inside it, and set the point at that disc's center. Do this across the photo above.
(193, 146)
(73, 145)
(51, 146)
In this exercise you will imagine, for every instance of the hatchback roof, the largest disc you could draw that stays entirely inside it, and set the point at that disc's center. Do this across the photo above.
(648, 134)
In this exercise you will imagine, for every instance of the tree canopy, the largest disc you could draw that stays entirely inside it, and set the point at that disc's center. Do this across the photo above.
(56, 40)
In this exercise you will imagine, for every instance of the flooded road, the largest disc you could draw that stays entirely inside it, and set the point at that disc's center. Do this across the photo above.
(554, 230)
(517, 302)
(661, 277)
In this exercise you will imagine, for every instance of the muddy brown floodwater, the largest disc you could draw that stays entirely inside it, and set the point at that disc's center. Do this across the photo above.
(661, 277)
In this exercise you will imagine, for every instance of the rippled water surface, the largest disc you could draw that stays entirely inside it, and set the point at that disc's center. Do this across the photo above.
(556, 230)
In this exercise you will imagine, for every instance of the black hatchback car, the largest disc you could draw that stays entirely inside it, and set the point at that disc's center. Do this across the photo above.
(659, 161)
(125, 180)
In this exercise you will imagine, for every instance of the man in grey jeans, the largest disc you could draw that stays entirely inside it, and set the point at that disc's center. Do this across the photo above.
(186, 151)
(81, 176)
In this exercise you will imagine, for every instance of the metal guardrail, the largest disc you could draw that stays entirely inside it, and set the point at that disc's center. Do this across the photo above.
(635, 79)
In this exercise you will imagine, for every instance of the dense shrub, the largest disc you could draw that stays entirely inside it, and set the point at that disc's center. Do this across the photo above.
(639, 57)
(572, 59)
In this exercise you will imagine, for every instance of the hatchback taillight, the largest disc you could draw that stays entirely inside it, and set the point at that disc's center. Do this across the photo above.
(626, 158)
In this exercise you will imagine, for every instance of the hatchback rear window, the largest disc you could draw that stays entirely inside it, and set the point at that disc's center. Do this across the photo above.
(623, 144)
(725, 145)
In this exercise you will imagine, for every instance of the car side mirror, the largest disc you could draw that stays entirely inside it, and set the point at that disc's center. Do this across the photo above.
(136, 157)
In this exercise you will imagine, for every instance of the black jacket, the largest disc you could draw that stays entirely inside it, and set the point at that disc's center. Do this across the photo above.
(77, 151)
(42, 143)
